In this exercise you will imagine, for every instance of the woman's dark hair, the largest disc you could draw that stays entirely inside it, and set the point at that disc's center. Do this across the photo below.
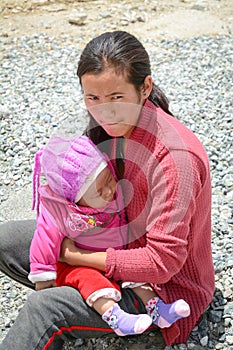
(126, 55)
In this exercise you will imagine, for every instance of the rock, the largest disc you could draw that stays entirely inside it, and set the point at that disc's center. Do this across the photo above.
(229, 339)
(204, 340)
(55, 8)
(77, 18)
(39, 2)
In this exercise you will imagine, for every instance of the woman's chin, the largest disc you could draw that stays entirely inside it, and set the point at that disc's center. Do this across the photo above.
(117, 130)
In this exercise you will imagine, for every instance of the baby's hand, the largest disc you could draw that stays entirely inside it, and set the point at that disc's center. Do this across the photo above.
(45, 284)
(67, 248)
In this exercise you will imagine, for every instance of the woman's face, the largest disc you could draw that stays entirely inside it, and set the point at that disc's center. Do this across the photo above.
(112, 101)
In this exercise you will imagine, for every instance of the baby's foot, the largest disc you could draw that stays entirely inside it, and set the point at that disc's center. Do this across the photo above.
(126, 324)
(164, 315)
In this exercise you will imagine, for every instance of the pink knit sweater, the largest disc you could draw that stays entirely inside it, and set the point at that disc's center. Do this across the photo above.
(168, 189)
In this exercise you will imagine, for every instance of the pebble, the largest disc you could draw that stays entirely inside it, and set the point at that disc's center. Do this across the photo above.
(40, 95)
(204, 340)
(77, 17)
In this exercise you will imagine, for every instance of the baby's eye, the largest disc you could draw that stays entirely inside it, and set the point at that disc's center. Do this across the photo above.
(98, 195)
(111, 179)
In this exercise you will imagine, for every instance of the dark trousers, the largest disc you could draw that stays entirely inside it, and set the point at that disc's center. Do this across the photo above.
(50, 316)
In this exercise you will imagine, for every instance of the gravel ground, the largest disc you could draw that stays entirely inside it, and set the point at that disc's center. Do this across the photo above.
(40, 95)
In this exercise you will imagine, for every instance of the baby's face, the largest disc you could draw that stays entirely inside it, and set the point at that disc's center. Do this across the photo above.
(101, 192)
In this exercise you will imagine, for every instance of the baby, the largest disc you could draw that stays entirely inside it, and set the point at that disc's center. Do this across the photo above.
(83, 201)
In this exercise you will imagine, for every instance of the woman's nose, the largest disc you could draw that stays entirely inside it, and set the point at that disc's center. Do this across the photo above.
(104, 113)
(108, 112)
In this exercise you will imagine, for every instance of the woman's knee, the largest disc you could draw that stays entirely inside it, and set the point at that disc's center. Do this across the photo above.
(6, 242)
(16, 233)
(42, 307)
(53, 301)
(15, 240)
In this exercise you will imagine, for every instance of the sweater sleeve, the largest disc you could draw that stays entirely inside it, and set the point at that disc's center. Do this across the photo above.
(174, 184)
(45, 249)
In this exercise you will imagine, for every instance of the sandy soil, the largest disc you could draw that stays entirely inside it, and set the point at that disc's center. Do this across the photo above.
(146, 19)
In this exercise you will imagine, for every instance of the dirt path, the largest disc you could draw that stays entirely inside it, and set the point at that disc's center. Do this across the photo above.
(146, 19)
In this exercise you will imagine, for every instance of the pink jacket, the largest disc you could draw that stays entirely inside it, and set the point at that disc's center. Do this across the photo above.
(90, 228)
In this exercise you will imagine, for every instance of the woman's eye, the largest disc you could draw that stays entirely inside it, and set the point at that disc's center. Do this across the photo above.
(92, 98)
(116, 97)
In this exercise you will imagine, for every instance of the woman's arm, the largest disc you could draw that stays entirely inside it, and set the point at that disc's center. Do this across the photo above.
(173, 204)
(167, 239)
(75, 256)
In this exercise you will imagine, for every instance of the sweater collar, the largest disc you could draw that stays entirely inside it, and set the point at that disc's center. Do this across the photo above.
(147, 118)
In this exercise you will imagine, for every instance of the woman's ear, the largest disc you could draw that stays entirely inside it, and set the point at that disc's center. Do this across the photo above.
(147, 87)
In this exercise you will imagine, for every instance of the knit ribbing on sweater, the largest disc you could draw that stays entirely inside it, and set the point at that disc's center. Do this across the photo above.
(169, 213)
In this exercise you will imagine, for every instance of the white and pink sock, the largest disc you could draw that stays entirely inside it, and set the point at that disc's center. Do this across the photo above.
(126, 324)
(164, 315)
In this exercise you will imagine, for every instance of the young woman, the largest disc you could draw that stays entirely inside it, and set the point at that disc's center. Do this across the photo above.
(166, 183)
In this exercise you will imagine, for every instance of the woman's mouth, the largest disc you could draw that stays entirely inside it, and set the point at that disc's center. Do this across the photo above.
(110, 123)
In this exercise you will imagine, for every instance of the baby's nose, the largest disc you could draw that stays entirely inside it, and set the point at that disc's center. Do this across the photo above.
(108, 192)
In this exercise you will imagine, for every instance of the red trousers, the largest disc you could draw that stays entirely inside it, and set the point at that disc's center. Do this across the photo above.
(87, 280)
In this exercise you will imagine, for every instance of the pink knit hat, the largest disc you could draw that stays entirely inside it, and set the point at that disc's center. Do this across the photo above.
(69, 165)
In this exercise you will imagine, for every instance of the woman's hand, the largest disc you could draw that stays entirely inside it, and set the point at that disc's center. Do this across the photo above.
(45, 284)
(72, 255)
